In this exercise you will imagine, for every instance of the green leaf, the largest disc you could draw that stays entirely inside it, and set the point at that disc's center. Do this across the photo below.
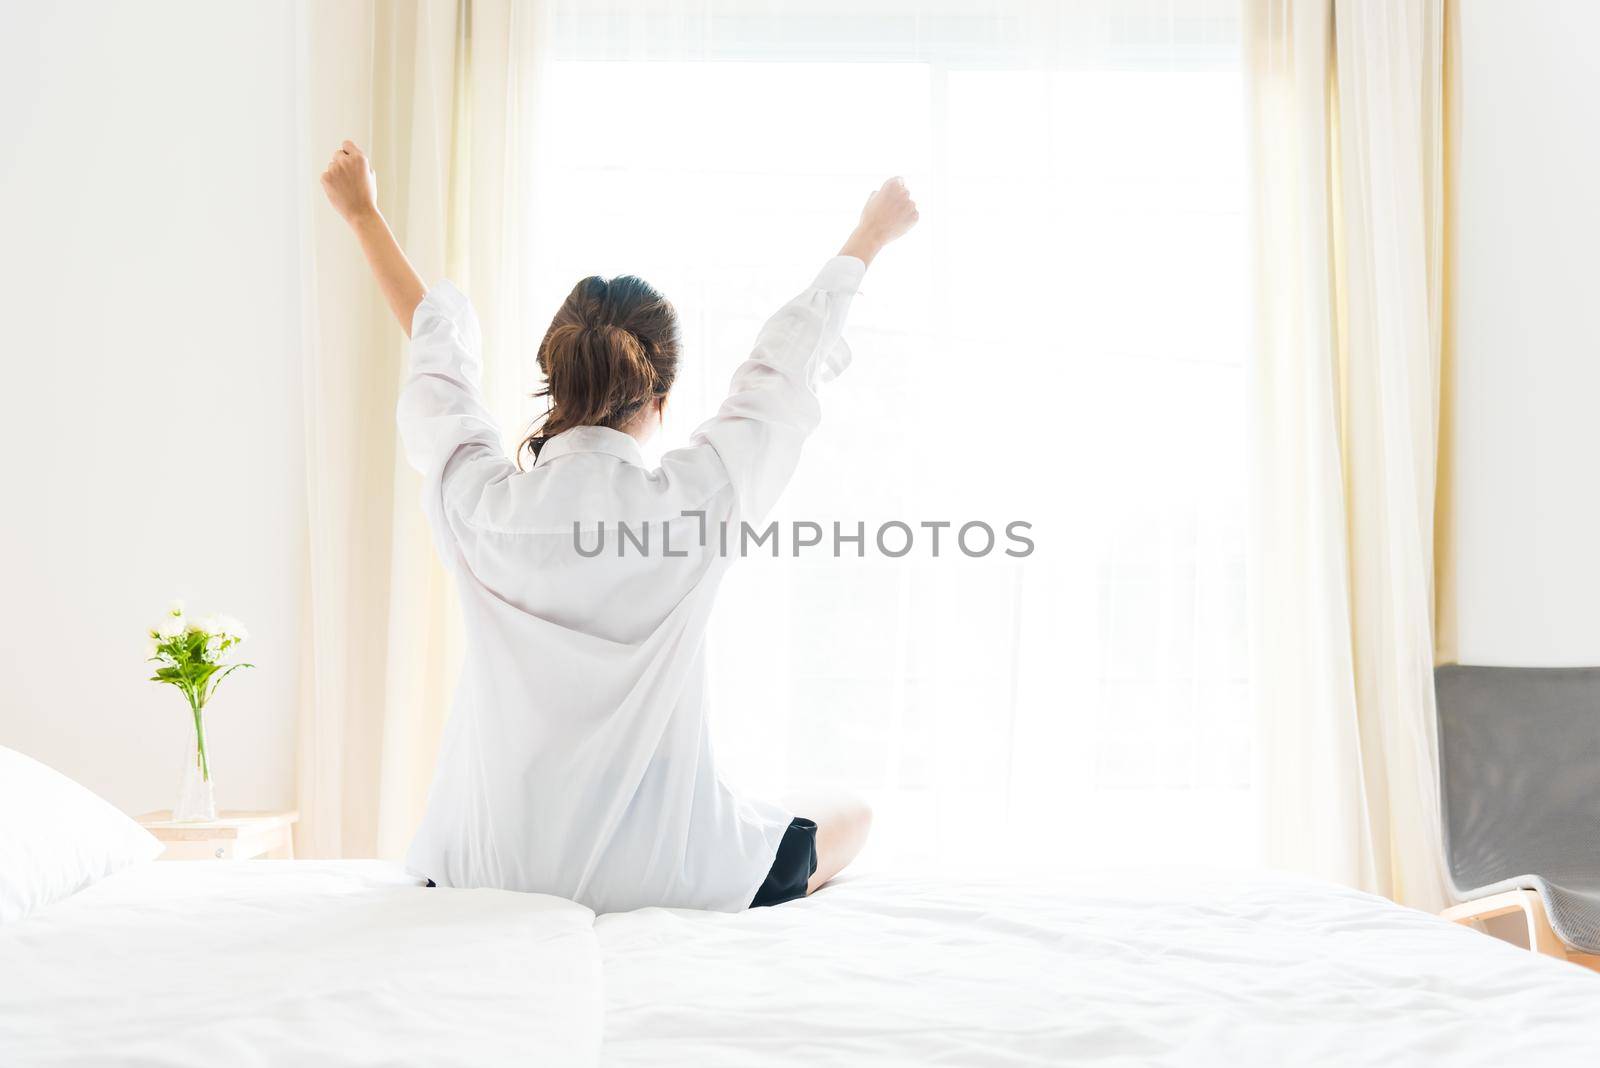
(225, 674)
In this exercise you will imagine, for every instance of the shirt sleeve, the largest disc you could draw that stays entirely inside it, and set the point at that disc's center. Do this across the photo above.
(772, 404)
(448, 433)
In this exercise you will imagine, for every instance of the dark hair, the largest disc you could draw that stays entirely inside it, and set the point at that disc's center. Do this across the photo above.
(611, 349)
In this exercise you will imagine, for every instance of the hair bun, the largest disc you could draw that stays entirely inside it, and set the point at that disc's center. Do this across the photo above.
(611, 349)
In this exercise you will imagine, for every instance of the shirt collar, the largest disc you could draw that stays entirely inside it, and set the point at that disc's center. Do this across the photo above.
(591, 439)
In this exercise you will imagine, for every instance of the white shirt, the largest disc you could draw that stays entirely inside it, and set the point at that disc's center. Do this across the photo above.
(577, 760)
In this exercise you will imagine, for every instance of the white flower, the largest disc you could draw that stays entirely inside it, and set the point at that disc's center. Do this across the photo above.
(176, 609)
(212, 625)
(232, 628)
(152, 650)
(172, 626)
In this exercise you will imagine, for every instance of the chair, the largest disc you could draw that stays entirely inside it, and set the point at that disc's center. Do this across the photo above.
(1519, 768)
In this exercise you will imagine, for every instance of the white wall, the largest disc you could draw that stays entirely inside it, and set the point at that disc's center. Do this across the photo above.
(1527, 322)
(150, 337)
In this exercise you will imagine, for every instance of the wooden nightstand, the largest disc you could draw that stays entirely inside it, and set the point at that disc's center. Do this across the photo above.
(231, 836)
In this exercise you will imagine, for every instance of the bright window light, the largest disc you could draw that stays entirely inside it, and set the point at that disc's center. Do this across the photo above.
(1061, 342)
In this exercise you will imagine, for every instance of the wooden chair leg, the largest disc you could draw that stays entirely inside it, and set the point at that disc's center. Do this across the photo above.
(1541, 937)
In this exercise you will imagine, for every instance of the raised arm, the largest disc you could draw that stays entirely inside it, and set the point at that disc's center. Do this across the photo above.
(448, 433)
(352, 189)
(772, 404)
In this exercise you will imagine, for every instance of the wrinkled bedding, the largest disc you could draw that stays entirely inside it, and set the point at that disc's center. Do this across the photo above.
(1135, 968)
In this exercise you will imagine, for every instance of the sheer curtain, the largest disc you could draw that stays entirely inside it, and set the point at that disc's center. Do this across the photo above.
(1062, 342)
(1347, 138)
(442, 93)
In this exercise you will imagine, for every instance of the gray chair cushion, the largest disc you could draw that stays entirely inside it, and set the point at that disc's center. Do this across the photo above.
(1519, 761)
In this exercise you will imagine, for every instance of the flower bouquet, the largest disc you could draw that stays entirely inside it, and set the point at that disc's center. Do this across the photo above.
(195, 656)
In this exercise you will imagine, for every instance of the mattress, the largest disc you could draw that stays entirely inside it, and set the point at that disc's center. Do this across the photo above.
(298, 962)
(1128, 968)
(352, 963)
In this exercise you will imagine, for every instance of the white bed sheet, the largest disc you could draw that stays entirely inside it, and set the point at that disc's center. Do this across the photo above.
(298, 962)
(1138, 968)
(335, 963)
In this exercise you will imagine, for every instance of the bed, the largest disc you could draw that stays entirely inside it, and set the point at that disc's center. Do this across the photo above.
(342, 963)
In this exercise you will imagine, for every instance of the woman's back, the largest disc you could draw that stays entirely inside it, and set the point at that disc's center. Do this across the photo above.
(579, 539)
(577, 760)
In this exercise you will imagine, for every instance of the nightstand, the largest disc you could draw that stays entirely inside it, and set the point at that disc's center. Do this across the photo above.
(231, 836)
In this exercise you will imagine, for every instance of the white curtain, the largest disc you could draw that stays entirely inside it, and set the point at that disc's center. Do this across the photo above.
(442, 94)
(1346, 132)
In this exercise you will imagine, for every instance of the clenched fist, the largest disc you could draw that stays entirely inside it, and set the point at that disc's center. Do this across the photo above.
(350, 183)
(890, 212)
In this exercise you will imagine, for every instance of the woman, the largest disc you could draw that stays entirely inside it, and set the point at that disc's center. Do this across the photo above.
(577, 760)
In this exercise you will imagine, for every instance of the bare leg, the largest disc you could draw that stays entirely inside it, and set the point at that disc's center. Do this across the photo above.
(842, 820)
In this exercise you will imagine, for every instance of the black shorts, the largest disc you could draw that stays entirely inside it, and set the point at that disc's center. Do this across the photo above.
(793, 867)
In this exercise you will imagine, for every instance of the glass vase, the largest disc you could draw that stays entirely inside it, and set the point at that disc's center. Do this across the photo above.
(197, 803)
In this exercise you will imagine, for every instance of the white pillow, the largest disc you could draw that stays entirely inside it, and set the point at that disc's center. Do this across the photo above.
(57, 837)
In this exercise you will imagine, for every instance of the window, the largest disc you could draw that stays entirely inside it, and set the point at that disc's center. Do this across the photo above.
(1061, 342)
